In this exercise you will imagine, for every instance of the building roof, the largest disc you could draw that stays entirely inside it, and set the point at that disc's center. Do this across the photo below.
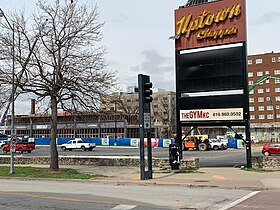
(196, 2)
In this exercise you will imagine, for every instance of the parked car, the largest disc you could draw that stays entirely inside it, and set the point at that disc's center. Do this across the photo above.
(270, 149)
(218, 144)
(20, 147)
(77, 144)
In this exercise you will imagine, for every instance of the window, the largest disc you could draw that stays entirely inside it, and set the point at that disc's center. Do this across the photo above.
(276, 72)
(258, 61)
(252, 117)
(267, 81)
(251, 92)
(277, 107)
(277, 90)
(251, 82)
(278, 116)
(251, 100)
(250, 74)
(277, 81)
(261, 117)
(267, 72)
(251, 108)
(267, 90)
(260, 90)
(270, 116)
(259, 73)
(250, 62)
(268, 98)
(278, 59)
(273, 59)
(277, 98)
(269, 108)
(260, 99)
(261, 108)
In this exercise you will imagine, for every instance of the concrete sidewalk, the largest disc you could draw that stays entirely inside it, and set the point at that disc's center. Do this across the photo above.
(205, 177)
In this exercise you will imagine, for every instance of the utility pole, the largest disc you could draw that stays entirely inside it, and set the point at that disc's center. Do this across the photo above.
(13, 132)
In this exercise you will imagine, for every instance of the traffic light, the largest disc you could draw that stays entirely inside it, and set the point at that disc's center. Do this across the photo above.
(148, 92)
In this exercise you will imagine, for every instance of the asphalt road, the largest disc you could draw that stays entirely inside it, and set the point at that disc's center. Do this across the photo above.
(219, 158)
(62, 195)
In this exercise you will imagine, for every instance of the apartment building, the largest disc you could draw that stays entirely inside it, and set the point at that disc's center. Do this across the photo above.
(264, 99)
(163, 119)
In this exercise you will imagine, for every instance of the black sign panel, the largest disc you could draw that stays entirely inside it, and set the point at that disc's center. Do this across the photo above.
(213, 70)
(211, 102)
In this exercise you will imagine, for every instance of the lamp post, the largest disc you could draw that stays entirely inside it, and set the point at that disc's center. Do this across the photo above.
(115, 136)
(13, 134)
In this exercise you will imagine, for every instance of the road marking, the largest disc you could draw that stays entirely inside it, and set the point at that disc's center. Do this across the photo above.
(239, 200)
(60, 198)
(123, 207)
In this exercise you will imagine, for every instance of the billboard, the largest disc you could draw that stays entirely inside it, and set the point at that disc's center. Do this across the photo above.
(211, 57)
(210, 24)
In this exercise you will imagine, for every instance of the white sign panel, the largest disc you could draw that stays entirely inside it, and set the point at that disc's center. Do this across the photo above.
(105, 141)
(147, 120)
(211, 114)
(134, 142)
(166, 142)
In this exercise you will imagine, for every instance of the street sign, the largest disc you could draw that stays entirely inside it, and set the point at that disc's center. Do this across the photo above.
(147, 120)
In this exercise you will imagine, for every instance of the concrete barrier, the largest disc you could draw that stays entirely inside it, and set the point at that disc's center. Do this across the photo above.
(99, 161)
(133, 142)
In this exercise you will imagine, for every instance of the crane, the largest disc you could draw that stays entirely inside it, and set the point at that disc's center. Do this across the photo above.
(262, 79)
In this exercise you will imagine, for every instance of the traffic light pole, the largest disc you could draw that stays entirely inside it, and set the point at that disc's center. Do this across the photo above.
(144, 93)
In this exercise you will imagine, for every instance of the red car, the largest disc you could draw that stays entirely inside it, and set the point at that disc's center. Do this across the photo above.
(20, 147)
(272, 148)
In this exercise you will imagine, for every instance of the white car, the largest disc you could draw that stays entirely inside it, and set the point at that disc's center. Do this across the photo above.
(218, 144)
(3, 142)
(78, 144)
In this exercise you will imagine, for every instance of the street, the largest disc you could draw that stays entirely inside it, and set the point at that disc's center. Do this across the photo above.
(87, 195)
(219, 158)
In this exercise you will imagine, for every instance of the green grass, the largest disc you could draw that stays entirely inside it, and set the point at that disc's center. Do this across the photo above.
(34, 172)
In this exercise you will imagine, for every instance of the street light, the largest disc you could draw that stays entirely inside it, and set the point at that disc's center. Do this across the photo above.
(13, 134)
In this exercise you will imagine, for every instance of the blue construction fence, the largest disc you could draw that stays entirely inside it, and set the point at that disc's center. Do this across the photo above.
(133, 142)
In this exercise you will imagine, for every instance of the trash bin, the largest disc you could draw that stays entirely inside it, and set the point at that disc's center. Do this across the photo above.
(174, 156)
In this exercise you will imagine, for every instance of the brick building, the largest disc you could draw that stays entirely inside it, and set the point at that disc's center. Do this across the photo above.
(264, 99)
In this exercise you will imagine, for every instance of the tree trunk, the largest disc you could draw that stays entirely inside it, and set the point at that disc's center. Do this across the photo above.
(54, 154)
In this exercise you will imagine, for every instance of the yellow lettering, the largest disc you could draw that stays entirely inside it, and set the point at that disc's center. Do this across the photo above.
(224, 14)
(220, 33)
(209, 20)
(180, 24)
(186, 25)
(237, 10)
(201, 19)
(194, 25)
(217, 18)
(232, 11)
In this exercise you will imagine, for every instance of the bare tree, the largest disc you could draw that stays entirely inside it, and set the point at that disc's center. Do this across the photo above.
(59, 60)
(164, 114)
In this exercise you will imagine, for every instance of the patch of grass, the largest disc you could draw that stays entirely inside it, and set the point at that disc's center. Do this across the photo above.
(36, 172)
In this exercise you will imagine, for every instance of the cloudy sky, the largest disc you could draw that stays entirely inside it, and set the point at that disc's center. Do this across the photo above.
(136, 35)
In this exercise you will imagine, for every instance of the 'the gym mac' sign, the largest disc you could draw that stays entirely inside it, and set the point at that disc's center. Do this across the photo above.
(211, 114)
(209, 24)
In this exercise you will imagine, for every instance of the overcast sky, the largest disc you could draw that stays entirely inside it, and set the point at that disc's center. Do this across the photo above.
(136, 35)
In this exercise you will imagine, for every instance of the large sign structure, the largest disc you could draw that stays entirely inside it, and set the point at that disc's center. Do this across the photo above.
(210, 24)
(211, 66)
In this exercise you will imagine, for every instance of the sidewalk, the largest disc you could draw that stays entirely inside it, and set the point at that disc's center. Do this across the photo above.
(205, 177)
